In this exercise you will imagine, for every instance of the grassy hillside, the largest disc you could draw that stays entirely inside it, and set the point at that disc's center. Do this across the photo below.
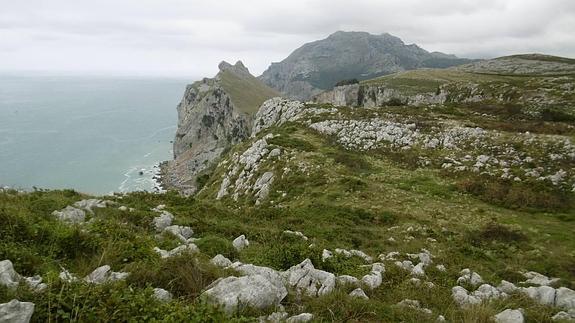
(247, 92)
(380, 200)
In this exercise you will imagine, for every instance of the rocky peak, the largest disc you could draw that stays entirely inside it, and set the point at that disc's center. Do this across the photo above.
(238, 68)
(319, 65)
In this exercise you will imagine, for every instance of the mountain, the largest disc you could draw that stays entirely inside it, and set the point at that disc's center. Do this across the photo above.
(319, 65)
(213, 115)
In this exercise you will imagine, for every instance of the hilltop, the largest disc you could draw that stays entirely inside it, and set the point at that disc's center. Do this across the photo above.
(318, 66)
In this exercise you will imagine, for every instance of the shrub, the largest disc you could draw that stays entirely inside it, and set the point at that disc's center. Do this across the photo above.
(353, 161)
(291, 142)
(494, 232)
(213, 245)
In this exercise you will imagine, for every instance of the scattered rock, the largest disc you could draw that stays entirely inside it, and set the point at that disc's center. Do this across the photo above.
(565, 298)
(90, 204)
(181, 232)
(467, 276)
(270, 274)
(347, 280)
(234, 292)
(536, 278)
(240, 242)
(16, 312)
(221, 261)
(507, 287)
(162, 295)
(70, 215)
(462, 298)
(163, 221)
(313, 282)
(358, 293)
(326, 254)
(300, 318)
(543, 294)
(296, 233)
(189, 248)
(564, 316)
(67, 277)
(510, 316)
(104, 274)
(8, 276)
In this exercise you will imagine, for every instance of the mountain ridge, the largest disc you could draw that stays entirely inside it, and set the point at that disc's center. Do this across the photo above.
(319, 65)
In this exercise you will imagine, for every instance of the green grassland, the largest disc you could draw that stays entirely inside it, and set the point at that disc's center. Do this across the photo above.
(246, 92)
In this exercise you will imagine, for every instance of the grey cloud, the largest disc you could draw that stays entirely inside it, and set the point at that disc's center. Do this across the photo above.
(185, 36)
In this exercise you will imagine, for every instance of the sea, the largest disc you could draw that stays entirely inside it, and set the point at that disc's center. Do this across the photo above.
(96, 135)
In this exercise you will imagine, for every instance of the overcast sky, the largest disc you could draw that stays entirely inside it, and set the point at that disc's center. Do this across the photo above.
(187, 38)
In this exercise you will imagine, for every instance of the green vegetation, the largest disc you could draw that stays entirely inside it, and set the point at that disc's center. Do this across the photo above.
(246, 92)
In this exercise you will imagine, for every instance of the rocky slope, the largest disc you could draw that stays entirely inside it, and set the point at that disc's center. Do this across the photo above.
(214, 114)
(318, 66)
(534, 83)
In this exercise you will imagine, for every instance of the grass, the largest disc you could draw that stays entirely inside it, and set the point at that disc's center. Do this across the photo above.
(247, 93)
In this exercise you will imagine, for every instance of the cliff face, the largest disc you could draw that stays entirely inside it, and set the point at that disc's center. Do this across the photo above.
(214, 114)
(318, 66)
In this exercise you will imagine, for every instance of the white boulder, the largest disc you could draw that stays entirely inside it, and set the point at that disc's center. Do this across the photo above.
(254, 291)
(221, 261)
(240, 242)
(510, 316)
(358, 293)
(470, 277)
(163, 221)
(8, 276)
(300, 318)
(162, 295)
(16, 312)
(565, 298)
(104, 274)
(313, 282)
(71, 215)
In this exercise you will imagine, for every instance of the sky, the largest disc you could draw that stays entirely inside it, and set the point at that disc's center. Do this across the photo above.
(188, 38)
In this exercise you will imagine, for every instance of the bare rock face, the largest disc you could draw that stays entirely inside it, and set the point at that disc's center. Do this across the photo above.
(214, 114)
(318, 66)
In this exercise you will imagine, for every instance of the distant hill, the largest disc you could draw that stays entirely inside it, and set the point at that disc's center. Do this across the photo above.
(319, 65)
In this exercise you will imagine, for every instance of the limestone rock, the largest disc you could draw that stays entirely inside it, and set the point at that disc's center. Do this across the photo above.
(300, 318)
(536, 278)
(326, 254)
(90, 204)
(183, 233)
(510, 316)
(70, 215)
(104, 274)
(296, 233)
(467, 276)
(306, 279)
(565, 298)
(565, 316)
(8, 276)
(162, 295)
(275, 112)
(221, 261)
(163, 221)
(347, 280)
(16, 312)
(270, 274)
(358, 293)
(240, 242)
(185, 248)
(461, 296)
(254, 291)
(543, 294)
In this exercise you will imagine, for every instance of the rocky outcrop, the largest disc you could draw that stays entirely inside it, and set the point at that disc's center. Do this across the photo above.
(318, 66)
(213, 115)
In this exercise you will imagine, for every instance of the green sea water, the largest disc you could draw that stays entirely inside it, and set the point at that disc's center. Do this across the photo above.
(92, 134)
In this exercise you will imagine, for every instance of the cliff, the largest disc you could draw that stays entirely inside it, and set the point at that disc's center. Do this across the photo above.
(214, 114)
